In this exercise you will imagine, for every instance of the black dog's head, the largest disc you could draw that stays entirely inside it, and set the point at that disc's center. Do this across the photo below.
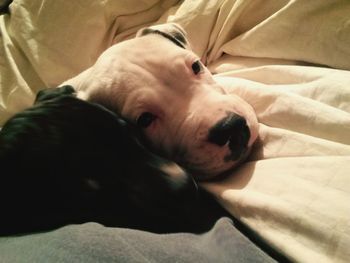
(66, 160)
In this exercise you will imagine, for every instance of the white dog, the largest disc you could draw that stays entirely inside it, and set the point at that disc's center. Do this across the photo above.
(157, 83)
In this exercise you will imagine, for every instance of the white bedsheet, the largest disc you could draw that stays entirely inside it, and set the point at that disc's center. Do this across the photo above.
(289, 59)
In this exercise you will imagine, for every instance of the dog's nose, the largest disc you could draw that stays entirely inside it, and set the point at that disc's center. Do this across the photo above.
(231, 130)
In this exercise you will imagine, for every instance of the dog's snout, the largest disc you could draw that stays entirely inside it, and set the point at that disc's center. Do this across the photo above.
(231, 130)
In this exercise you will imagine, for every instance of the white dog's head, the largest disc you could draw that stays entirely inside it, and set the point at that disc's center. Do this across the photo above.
(158, 84)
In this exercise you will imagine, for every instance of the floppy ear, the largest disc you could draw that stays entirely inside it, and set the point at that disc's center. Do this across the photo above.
(50, 93)
(171, 31)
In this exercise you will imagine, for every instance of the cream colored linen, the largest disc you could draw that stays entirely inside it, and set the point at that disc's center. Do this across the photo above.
(44, 43)
(294, 191)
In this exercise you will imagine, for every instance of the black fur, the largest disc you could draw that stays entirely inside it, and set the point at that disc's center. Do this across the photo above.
(66, 161)
(4, 6)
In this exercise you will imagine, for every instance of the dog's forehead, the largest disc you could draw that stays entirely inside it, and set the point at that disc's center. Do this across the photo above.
(151, 53)
(145, 63)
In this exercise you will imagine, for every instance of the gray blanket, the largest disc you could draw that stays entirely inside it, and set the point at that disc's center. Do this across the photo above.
(92, 242)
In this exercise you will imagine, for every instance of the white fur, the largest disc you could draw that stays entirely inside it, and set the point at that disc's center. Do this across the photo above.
(152, 74)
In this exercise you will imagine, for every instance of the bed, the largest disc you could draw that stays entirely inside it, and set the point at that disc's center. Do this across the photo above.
(290, 59)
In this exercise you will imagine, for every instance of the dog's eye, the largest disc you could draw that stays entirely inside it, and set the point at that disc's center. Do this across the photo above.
(145, 119)
(197, 67)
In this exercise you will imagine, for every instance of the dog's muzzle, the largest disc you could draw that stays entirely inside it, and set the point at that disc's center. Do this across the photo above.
(232, 131)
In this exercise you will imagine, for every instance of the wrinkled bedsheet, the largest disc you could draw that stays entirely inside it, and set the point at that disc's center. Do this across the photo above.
(290, 59)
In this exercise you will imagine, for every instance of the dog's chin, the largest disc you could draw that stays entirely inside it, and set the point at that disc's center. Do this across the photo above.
(228, 167)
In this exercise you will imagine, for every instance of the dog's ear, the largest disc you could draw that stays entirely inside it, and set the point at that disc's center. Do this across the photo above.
(50, 93)
(171, 31)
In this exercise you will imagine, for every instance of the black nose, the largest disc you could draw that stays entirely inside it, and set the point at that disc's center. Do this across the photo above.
(233, 130)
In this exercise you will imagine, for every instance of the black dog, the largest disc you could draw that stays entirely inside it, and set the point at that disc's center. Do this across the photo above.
(65, 160)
